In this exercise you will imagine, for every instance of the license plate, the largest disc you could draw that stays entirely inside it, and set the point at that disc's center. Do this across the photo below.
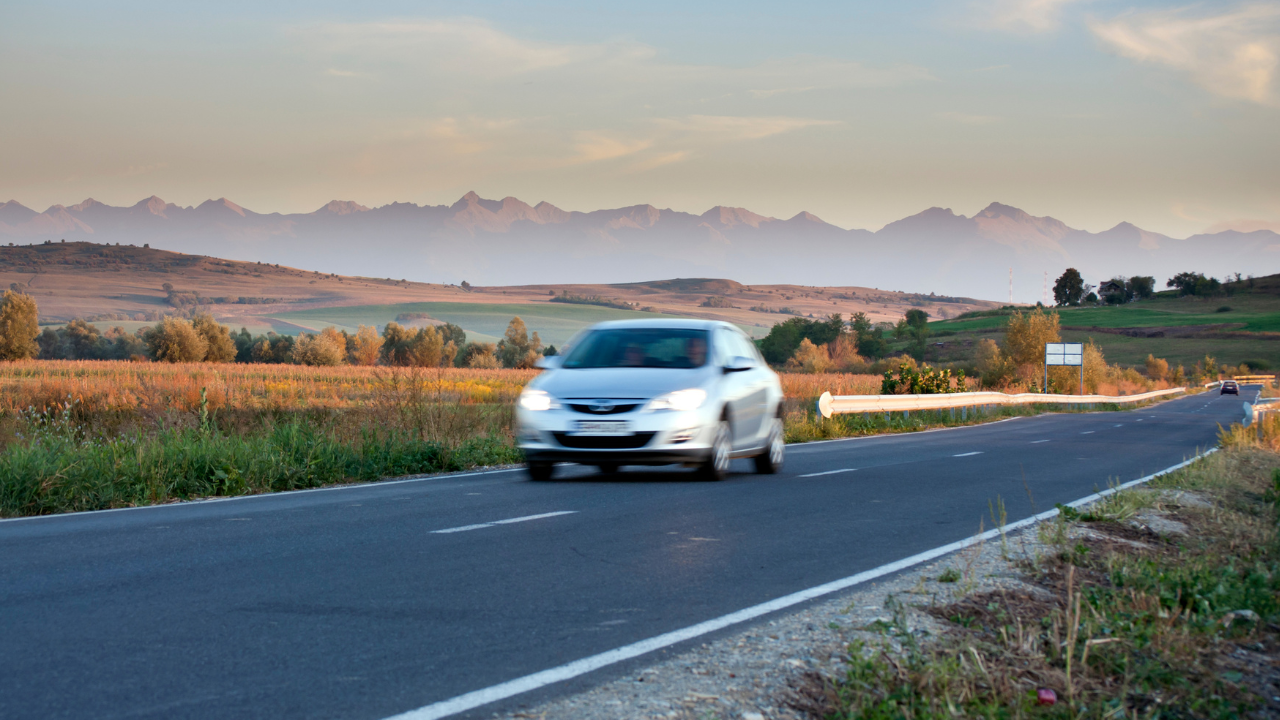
(602, 427)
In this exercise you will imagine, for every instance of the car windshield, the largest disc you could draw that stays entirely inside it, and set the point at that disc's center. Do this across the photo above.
(641, 348)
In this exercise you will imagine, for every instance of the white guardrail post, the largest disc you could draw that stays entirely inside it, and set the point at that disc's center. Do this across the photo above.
(829, 404)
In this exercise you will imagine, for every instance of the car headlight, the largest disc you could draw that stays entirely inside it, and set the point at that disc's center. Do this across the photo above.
(536, 400)
(690, 399)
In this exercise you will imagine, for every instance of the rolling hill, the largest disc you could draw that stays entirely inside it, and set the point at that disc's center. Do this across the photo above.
(125, 285)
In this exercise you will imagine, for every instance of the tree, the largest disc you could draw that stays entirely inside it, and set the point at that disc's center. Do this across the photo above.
(810, 358)
(785, 337)
(396, 341)
(1157, 369)
(918, 330)
(1026, 334)
(425, 349)
(451, 333)
(1069, 288)
(1189, 283)
(82, 340)
(19, 326)
(482, 356)
(366, 346)
(517, 349)
(327, 348)
(1142, 287)
(993, 367)
(174, 340)
(220, 348)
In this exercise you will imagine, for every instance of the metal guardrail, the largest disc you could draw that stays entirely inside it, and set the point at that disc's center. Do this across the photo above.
(829, 404)
(1254, 378)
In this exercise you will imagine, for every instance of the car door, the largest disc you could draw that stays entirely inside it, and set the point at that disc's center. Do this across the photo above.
(756, 387)
(744, 389)
(733, 386)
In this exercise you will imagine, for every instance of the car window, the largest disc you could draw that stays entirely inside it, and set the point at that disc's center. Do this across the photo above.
(737, 345)
(639, 347)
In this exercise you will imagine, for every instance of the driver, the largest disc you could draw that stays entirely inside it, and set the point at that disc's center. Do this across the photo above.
(695, 348)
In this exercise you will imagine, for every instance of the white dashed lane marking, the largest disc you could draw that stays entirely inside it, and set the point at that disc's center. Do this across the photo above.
(829, 472)
(509, 521)
(976, 452)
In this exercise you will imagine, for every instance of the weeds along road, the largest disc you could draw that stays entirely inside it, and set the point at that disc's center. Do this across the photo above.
(351, 603)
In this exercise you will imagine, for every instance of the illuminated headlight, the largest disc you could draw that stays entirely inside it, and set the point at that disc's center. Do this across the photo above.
(536, 400)
(691, 399)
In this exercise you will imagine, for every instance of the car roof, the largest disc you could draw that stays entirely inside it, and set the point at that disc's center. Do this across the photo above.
(657, 323)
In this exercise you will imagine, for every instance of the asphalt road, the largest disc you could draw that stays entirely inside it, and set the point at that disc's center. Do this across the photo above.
(347, 602)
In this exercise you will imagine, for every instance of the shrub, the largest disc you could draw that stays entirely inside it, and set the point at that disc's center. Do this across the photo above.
(810, 358)
(1157, 369)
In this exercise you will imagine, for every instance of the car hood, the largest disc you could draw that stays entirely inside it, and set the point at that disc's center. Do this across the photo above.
(608, 383)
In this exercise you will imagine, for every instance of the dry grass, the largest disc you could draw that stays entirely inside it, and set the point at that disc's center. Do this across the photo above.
(1124, 622)
(157, 387)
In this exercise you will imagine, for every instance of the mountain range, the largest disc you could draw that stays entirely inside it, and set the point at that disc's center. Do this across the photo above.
(509, 242)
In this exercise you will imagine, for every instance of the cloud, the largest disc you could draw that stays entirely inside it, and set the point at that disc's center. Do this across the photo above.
(1233, 54)
(456, 45)
(967, 119)
(594, 147)
(1022, 16)
(466, 48)
(1244, 226)
(658, 161)
(721, 127)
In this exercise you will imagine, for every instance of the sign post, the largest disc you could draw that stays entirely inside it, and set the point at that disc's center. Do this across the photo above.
(1063, 354)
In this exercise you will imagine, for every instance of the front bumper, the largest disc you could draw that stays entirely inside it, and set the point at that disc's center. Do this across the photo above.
(656, 438)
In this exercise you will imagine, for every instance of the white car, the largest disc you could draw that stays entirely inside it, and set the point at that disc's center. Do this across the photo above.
(653, 392)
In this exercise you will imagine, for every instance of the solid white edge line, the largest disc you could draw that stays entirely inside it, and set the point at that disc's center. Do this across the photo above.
(828, 472)
(491, 523)
(257, 496)
(502, 691)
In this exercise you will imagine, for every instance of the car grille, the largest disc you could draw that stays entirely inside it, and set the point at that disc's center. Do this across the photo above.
(604, 442)
(616, 409)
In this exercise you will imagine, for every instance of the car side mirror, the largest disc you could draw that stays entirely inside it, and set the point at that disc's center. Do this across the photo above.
(548, 362)
(738, 364)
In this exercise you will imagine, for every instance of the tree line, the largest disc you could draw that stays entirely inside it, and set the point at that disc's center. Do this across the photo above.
(203, 339)
(1071, 290)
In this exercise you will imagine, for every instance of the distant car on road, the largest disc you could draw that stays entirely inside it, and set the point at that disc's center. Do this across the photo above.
(1230, 387)
(653, 392)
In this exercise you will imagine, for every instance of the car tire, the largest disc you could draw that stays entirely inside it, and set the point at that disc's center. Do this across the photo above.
(540, 471)
(607, 468)
(716, 466)
(769, 462)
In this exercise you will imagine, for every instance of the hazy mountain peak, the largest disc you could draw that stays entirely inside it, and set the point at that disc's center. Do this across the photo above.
(221, 203)
(85, 205)
(996, 209)
(733, 216)
(806, 216)
(152, 205)
(343, 207)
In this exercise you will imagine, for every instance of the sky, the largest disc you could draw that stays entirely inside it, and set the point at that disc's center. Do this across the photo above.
(1162, 114)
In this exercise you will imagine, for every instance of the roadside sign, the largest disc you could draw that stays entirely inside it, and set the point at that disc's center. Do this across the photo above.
(1064, 354)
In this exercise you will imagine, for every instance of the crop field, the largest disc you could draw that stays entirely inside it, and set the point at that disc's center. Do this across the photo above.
(484, 322)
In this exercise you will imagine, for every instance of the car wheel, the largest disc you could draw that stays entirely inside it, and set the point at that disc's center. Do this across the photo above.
(716, 466)
(540, 471)
(770, 461)
(607, 468)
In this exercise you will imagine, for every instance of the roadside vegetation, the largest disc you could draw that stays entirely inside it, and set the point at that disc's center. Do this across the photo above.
(1156, 602)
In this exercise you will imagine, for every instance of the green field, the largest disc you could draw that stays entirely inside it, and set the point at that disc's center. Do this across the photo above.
(1223, 337)
(554, 322)
(1249, 312)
